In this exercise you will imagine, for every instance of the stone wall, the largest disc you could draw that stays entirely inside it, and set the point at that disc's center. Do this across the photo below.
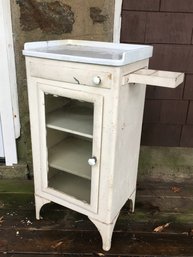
(35, 20)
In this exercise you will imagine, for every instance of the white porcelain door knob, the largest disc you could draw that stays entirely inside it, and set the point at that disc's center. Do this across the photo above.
(92, 161)
(96, 80)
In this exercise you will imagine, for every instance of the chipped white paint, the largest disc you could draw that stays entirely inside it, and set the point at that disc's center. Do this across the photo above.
(8, 99)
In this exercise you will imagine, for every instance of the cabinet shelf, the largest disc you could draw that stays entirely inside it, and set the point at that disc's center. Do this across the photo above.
(76, 119)
(69, 184)
(71, 155)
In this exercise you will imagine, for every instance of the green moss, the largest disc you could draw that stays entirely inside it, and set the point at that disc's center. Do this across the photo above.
(166, 156)
(16, 186)
(166, 163)
(15, 202)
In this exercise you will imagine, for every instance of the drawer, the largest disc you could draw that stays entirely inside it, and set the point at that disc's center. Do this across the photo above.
(83, 76)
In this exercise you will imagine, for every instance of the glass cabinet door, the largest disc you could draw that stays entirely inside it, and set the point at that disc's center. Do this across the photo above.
(72, 120)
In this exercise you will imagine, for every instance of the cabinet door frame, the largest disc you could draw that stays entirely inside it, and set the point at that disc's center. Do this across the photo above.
(97, 100)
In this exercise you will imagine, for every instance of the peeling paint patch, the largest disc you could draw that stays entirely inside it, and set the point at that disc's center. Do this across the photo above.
(51, 17)
(96, 16)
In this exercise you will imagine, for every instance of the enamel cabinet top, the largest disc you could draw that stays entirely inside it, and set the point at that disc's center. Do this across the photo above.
(93, 52)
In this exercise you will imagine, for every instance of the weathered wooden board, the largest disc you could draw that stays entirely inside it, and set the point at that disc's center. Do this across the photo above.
(89, 242)
(63, 232)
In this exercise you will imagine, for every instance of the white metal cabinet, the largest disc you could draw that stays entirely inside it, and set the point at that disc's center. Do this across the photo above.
(86, 126)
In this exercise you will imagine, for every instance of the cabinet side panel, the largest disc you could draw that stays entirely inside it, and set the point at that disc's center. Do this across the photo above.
(130, 114)
(34, 126)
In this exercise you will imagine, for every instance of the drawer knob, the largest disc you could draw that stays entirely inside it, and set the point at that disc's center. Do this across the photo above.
(92, 161)
(96, 80)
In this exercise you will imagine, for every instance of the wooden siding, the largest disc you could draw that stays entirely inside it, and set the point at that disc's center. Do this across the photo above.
(168, 26)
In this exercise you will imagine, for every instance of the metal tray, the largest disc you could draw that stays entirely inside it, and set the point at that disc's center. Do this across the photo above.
(101, 53)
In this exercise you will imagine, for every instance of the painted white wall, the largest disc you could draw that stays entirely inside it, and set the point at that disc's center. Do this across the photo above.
(9, 112)
(117, 21)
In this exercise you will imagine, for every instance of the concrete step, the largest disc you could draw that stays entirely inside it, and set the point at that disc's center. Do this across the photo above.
(165, 197)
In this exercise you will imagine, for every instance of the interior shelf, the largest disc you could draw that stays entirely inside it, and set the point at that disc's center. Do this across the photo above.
(69, 184)
(71, 155)
(76, 119)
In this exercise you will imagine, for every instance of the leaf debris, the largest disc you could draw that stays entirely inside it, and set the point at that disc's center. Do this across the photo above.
(176, 189)
(161, 228)
(1, 220)
(57, 245)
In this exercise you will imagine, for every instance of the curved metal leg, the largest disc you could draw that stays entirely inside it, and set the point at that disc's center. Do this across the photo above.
(106, 231)
(39, 201)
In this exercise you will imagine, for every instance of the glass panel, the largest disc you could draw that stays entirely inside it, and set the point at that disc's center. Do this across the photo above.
(69, 115)
(70, 184)
(69, 141)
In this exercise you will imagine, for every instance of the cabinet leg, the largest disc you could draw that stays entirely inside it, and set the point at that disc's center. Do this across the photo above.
(106, 231)
(39, 201)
